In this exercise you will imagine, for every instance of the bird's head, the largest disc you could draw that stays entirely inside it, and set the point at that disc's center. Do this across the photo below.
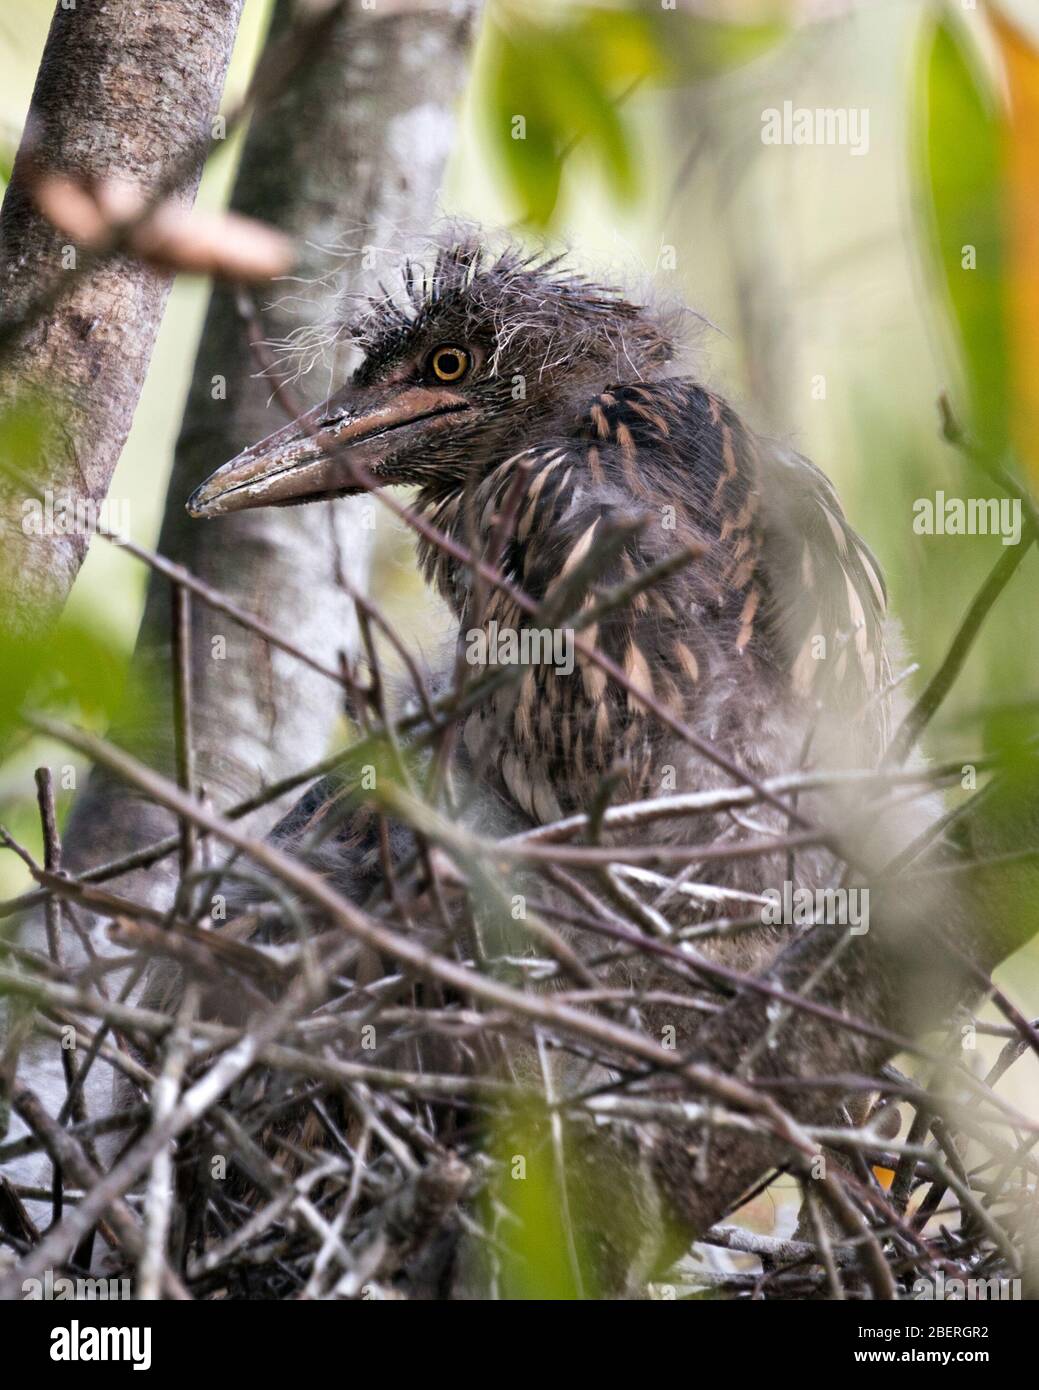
(474, 361)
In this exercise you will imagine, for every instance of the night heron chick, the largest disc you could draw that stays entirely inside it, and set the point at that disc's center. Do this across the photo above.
(550, 437)
(542, 422)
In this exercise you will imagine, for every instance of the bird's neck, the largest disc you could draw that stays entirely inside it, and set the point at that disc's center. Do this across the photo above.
(666, 465)
(601, 435)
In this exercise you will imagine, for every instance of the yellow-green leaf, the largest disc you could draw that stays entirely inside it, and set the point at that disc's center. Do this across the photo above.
(962, 175)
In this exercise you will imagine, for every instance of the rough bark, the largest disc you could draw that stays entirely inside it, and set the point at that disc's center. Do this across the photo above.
(123, 91)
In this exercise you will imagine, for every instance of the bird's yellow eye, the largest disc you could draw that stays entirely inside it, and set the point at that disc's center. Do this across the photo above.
(449, 363)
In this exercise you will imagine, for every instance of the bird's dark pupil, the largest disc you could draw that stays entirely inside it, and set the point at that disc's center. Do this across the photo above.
(449, 363)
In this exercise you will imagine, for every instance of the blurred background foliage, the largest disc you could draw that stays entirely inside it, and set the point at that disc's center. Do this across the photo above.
(832, 300)
(550, 78)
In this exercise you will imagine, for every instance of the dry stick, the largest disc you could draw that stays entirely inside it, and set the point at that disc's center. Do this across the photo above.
(67, 887)
(220, 602)
(410, 953)
(99, 900)
(199, 950)
(692, 803)
(159, 1194)
(1024, 1028)
(182, 721)
(56, 948)
(689, 968)
(93, 1129)
(224, 1073)
(823, 1243)
(147, 855)
(53, 920)
(257, 1223)
(327, 1233)
(179, 575)
(68, 1154)
(633, 813)
(324, 1255)
(203, 950)
(902, 1183)
(424, 818)
(19, 1028)
(51, 859)
(1027, 1030)
(772, 1247)
(314, 1065)
(57, 1019)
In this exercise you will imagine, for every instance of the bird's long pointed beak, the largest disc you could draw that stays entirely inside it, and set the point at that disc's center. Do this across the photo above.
(321, 453)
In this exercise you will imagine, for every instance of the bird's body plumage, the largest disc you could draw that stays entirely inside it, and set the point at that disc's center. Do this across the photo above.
(539, 418)
(540, 421)
(738, 626)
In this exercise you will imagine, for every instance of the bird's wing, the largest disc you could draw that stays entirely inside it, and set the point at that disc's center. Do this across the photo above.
(826, 596)
(783, 575)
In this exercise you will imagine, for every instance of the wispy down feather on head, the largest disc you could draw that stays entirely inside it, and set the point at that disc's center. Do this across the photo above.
(528, 310)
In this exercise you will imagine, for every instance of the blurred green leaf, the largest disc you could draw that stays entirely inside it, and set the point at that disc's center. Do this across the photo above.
(567, 1209)
(666, 45)
(520, 125)
(535, 1261)
(693, 47)
(555, 79)
(74, 664)
(623, 46)
(963, 177)
(584, 109)
(22, 429)
(1010, 732)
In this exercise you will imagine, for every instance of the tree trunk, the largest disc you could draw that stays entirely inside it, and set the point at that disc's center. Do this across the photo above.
(127, 92)
(358, 141)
